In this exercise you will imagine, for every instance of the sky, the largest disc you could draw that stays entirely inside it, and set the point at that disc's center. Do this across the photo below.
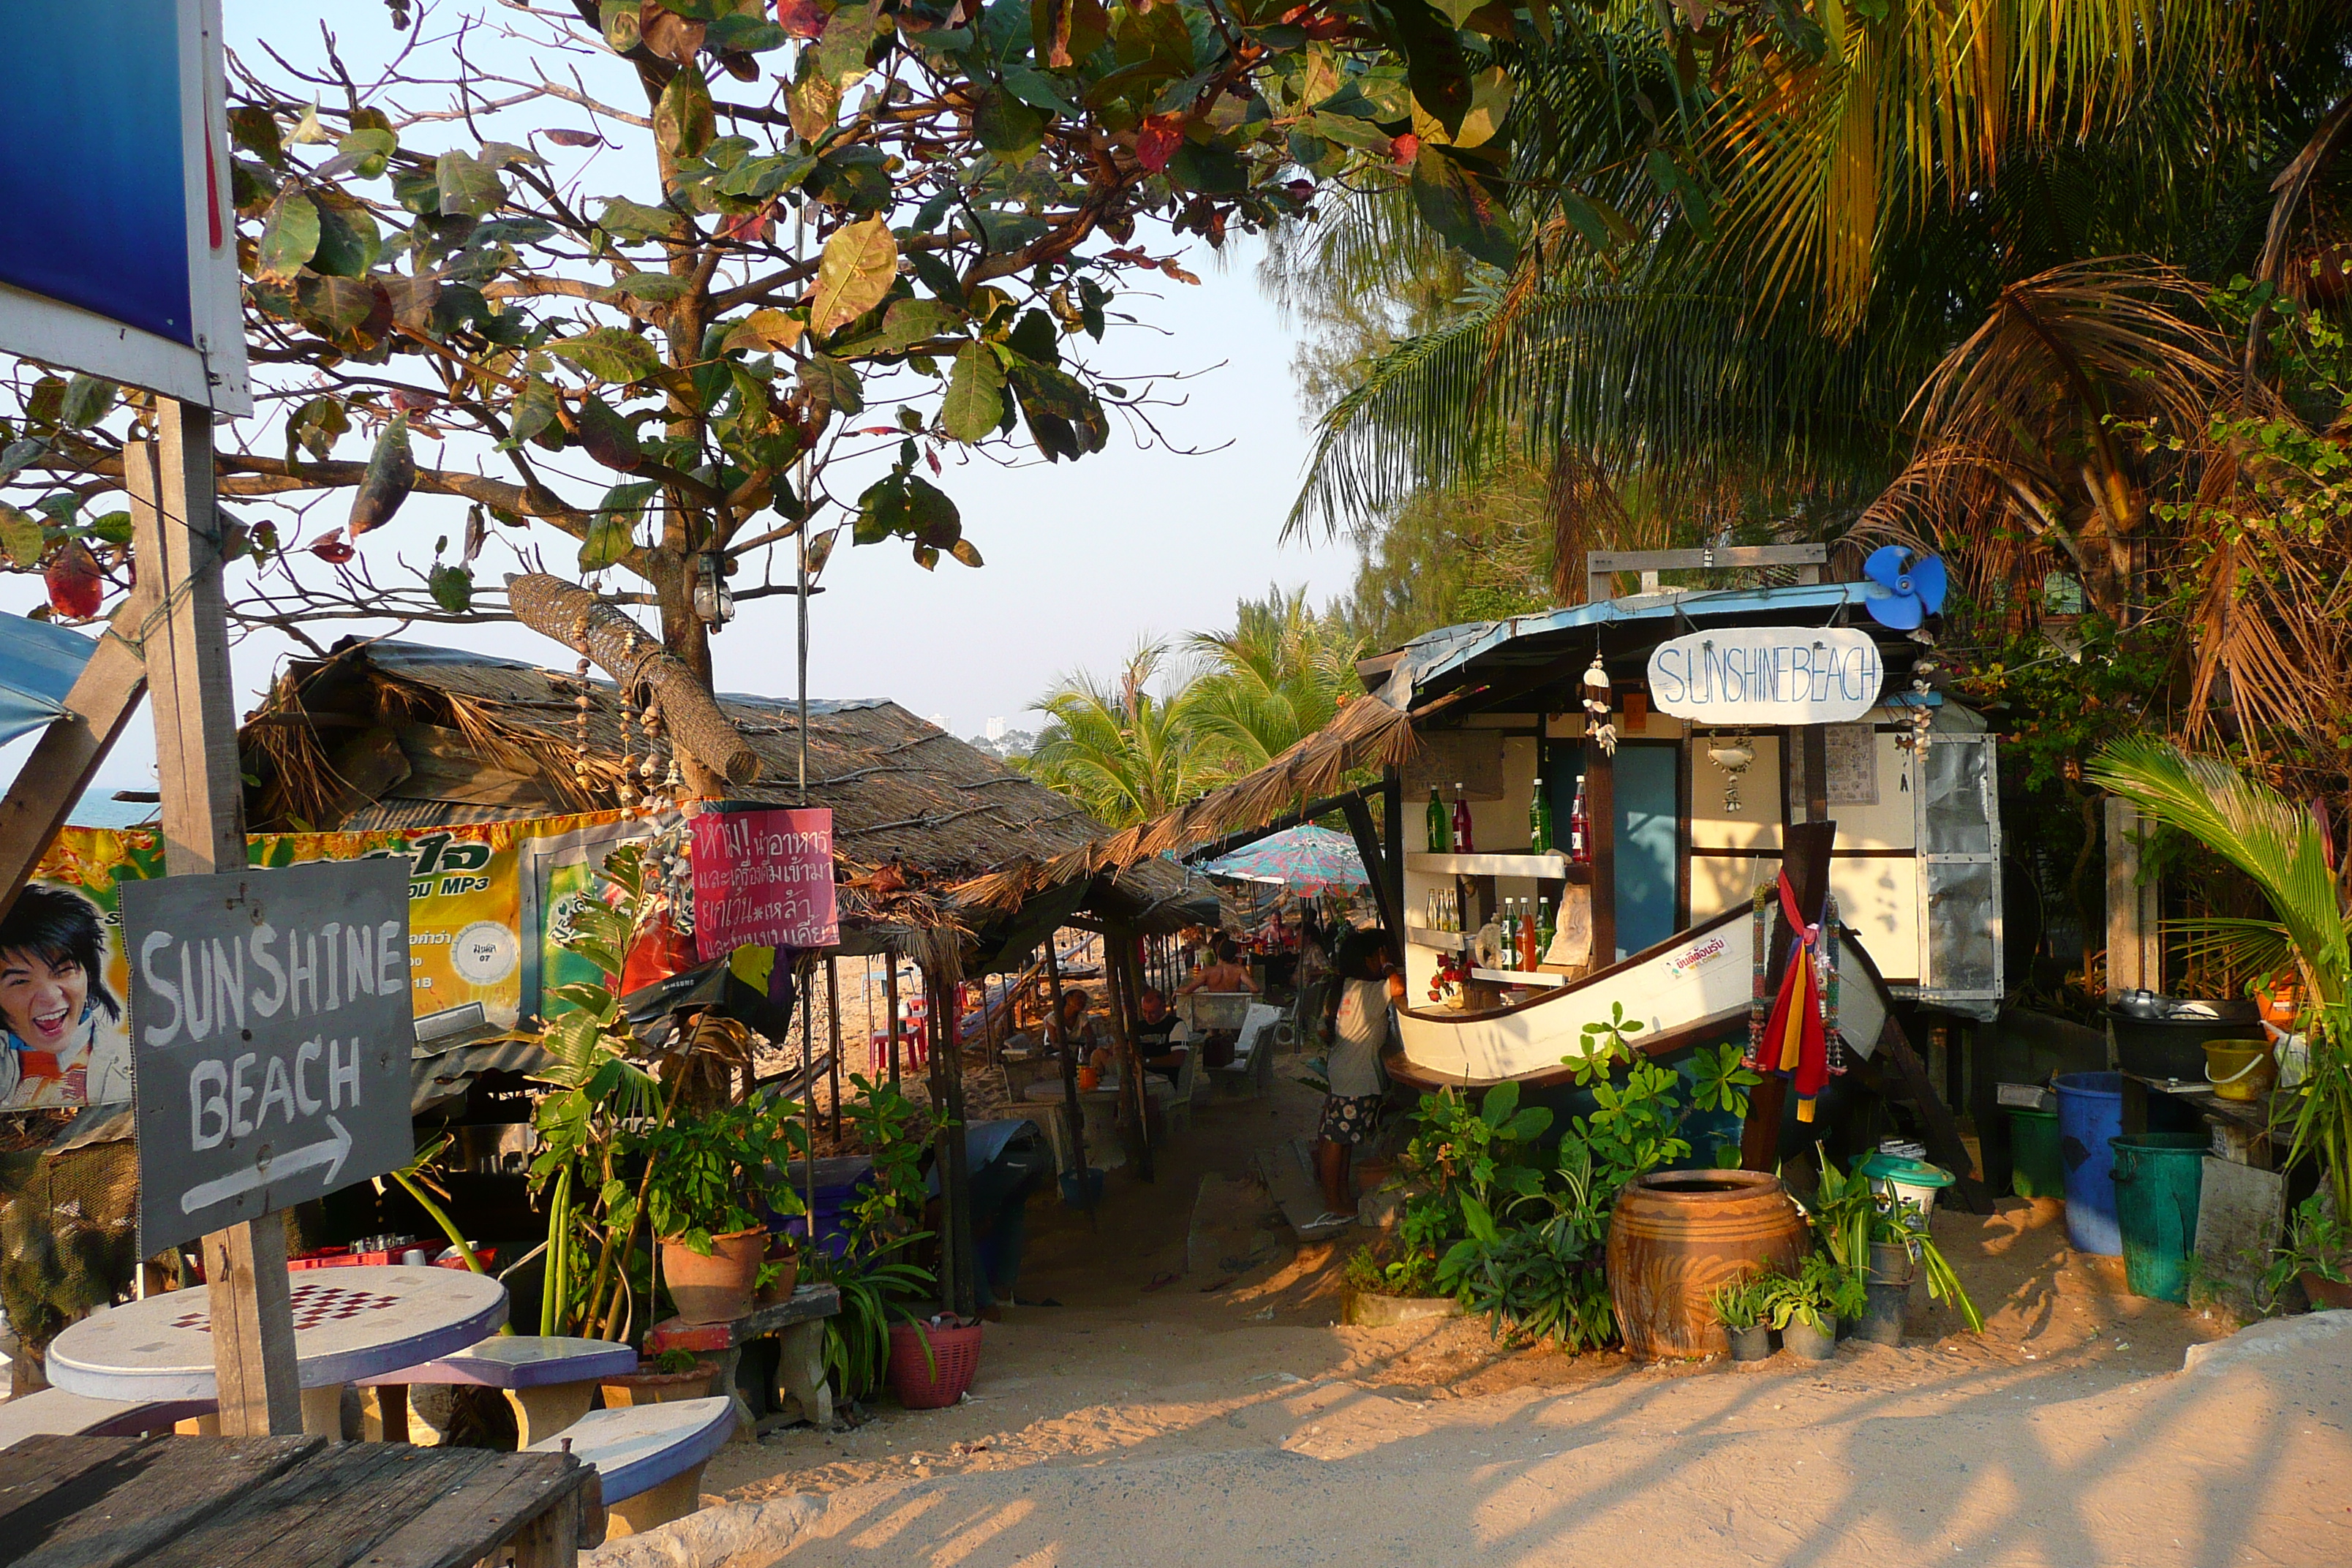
(1140, 542)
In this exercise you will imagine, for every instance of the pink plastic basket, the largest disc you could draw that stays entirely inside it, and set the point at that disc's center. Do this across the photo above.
(955, 1349)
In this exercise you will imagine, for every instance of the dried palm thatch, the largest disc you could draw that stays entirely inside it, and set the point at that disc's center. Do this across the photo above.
(925, 827)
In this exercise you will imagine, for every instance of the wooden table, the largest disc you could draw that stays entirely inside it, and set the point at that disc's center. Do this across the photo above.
(349, 1324)
(289, 1502)
(798, 1389)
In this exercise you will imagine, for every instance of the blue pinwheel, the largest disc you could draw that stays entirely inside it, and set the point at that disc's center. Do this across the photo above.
(1907, 586)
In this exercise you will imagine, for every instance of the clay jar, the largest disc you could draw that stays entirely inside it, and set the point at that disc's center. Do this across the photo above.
(1676, 1235)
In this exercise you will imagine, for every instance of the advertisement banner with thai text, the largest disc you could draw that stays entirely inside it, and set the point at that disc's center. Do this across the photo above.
(763, 878)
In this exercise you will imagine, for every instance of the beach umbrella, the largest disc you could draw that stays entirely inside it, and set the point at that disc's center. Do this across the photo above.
(1306, 859)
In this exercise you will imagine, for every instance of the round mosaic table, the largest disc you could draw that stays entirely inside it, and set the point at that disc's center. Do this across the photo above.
(349, 1324)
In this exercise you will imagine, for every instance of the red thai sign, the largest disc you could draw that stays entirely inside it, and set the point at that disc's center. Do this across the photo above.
(763, 878)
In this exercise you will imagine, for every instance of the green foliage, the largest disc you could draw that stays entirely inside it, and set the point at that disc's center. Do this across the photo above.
(1847, 1218)
(711, 1173)
(2317, 1243)
(1743, 1303)
(879, 1285)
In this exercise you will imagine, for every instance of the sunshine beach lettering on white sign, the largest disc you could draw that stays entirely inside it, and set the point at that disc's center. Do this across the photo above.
(1767, 674)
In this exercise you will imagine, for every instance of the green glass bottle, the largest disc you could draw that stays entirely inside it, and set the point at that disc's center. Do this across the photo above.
(1441, 826)
(1539, 820)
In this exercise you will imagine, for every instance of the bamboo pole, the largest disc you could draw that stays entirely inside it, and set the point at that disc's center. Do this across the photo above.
(833, 1012)
(890, 1011)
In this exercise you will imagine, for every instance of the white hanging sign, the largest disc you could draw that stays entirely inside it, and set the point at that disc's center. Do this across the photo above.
(1767, 674)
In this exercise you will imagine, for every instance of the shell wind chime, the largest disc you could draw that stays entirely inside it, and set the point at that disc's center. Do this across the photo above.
(1596, 707)
(1733, 754)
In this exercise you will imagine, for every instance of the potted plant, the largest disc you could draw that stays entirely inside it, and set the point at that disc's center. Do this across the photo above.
(1877, 1240)
(1806, 1310)
(707, 1176)
(879, 1286)
(933, 1361)
(660, 1380)
(1744, 1309)
(2318, 1247)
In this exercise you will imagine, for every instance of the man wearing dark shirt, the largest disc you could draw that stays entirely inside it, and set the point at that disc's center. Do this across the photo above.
(1160, 1036)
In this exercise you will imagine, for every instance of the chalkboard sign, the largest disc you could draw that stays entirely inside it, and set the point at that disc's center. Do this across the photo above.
(270, 1034)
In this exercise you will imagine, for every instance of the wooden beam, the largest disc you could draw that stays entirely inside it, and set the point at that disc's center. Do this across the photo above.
(2135, 950)
(175, 537)
(1071, 1105)
(74, 746)
(1602, 566)
(1376, 870)
(1814, 740)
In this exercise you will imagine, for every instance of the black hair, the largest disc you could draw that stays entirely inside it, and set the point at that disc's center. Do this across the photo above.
(60, 928)
(1360, 954)
(1228, 951)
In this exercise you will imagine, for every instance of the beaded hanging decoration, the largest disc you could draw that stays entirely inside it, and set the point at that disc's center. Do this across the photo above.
(581, 700)
(1825, 970)
(1596, 707)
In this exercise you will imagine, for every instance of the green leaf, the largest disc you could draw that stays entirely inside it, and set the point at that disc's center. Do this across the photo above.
(370, 150)
(621, 24)
(1460, 207)
(452, 588)
(831, 384)
(535, 409)
(1501, 1103)
(743, 33)
(1038, 91)
(290, 237)
(684, 121)
(1435, 66)
(634, 222)
(1672, 178)
(467, 187)
(612, 355)
(608, 438)
(22, 537)
(1008, 127)
(912, 322)
(974, 405)
(848, 40)
(613, 532)
(85, 402)
(656, 288)
(348, 241)
(1209, 168)
(859, 264)
(390, 476)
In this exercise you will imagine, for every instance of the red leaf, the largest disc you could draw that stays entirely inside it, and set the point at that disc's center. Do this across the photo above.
(1158, 140)
(333, 548)
(413, 402)
(575, 138)
(1404, 149)
(74, 582)
(759, 224)
(801, 18)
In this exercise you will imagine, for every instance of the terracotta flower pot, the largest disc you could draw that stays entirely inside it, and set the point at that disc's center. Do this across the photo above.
(650, 1385)
(2326, 1295)
(1677, 1236)
(717, 1289)
(780, 1289)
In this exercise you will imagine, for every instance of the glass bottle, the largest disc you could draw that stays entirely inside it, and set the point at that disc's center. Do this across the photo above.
(1462, 845)
(1528, 955)
(1580, 827)
(1441, 827)
(1547, 926)
(1539, 819)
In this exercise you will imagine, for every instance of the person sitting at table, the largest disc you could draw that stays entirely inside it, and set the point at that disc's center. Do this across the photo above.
(1160, 1034)
(1225, 973)
(1082, 1030)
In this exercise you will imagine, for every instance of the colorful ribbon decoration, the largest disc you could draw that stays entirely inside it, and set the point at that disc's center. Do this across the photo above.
(1798, 1037)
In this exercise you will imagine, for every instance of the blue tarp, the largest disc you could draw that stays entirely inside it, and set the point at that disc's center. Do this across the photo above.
(38, 665)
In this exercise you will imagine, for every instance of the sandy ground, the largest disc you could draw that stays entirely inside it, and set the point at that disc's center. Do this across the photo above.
(1225, 1419)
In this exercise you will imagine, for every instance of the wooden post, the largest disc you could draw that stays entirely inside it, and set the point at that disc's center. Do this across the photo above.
(890, 1011)
(1815, 739)
(1118, 981)
(833, 1015)
(2135, 950)
(1600, 836)
(1806, 861)
(176, 538)
(1368, 845)
(1392, 835)
(957, 1286)
(1072, 1108)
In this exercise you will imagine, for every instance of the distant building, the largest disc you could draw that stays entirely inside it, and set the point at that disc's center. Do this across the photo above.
(996, 729)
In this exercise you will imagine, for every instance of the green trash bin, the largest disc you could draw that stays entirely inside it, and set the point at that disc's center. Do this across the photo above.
(2159, 1177)
(2036, 1169)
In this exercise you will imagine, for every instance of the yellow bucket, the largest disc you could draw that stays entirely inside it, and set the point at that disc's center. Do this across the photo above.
(2240, 1069)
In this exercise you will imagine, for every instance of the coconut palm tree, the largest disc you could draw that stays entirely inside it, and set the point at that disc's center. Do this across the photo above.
(1283, 672)
(1123, 752)
(2283, 848)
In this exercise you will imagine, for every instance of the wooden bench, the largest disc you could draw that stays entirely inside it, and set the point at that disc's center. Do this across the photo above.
(649, 1457)
(548, 1379)
(797, 1391)
(52, 1412)
(289, 1502)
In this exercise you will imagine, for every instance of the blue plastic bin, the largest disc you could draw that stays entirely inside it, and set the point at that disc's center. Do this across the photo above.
(2089, 1112)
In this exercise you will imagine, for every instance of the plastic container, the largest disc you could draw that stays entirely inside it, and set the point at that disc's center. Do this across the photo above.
(2036, 1171)
(938, 1380)
(2159, 1178)
(837, 1181)
(2173, 1049)
(2090, 1115)
(1913, 1182)
(2240, 1069)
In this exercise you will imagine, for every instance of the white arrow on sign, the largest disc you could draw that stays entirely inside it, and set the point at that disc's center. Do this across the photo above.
(327, 1152)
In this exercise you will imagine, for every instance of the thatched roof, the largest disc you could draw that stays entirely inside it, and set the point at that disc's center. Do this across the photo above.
(384, 735)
